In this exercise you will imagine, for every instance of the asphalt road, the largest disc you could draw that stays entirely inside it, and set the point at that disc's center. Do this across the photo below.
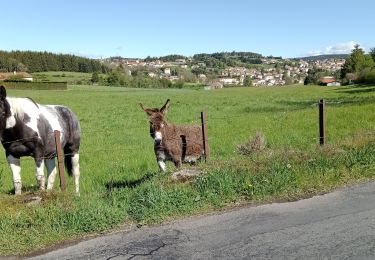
(339, 225)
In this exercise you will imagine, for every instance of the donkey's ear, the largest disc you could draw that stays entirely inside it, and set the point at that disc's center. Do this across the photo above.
(147, 110)
(3, 93)
(164, 109)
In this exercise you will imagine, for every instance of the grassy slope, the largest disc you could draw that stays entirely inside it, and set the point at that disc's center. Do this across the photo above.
(120, 181)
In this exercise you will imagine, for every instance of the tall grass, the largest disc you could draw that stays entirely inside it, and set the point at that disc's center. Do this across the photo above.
(120, 180)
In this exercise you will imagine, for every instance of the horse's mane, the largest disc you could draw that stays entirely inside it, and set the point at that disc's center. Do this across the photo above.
(32, 100)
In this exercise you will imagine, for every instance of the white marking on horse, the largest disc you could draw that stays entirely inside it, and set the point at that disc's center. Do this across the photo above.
(11, 121)
(15, 166)
(18, 108)
(75, 170)
(52, 118)
(40, 175)
(51, 172)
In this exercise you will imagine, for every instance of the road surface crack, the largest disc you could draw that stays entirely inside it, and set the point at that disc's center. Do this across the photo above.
(139, 254)
(149, 253)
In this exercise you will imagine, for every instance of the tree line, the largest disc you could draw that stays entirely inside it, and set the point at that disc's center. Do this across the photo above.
(359, 67)
(32, 61)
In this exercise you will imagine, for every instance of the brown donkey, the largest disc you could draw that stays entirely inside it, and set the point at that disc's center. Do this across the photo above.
(179, 144)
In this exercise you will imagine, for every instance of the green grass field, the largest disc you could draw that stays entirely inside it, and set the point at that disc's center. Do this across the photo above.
(63, 76)
(120, 182)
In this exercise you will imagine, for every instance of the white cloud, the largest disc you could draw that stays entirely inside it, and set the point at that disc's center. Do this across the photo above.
(339, 48)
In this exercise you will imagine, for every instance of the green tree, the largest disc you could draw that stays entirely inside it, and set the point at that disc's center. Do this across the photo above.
(116, 78)
(314, 75)
(95, 77)
(356, 62)
(248, 82)
(372, 53)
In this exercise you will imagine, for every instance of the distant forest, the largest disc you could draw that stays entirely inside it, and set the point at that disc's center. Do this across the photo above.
(323, 57)
(32, 61)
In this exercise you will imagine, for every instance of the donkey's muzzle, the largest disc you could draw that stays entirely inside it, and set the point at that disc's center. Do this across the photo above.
(157, 138)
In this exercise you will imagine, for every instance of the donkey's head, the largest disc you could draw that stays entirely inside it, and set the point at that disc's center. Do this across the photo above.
(157, 122)
(4, 109)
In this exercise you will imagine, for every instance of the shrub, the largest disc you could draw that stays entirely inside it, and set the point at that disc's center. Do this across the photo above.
(257, 144)
(367, 76)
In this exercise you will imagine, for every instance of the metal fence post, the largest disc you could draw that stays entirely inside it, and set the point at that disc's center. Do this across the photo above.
(204, 135)
(321, 122)
(60, 160)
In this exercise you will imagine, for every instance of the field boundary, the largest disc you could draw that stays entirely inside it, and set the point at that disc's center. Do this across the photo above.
(35, 85)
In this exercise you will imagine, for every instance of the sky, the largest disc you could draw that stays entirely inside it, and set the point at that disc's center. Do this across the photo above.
(141, 28)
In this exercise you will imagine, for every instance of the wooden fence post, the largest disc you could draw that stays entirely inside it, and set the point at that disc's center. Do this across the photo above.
(205, 136)
(321, 122)
(60, 160)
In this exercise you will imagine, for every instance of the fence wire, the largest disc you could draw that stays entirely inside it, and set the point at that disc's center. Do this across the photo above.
(121, 140)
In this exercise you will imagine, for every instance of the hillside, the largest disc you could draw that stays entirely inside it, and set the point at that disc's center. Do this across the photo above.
(323, 57)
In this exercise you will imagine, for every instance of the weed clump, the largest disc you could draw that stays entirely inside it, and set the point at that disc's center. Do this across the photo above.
(254, 145)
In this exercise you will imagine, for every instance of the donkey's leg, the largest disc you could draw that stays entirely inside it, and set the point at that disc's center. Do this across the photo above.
(76, 171)
(51, 172)
(162, 165)
(160, 158)
(15, 166)
(177, 163)
(40, 173)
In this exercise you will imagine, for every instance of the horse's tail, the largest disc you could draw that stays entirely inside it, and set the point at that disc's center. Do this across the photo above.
(73, 138)
(68, 162)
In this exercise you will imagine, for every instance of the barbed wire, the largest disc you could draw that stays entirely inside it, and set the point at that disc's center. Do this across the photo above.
(179, 140)
(195, 141)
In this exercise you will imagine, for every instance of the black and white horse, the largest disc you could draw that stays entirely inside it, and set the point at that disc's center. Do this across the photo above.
(26, 129)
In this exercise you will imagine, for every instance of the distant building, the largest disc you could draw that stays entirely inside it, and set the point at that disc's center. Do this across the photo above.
(214, 85)
(132, 62)
(329, 81)
(229, 81)
(152, 75)
(167, 71)
(22, 75)
(202, 78)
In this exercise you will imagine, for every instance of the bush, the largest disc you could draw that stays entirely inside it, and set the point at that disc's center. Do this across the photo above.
(367, 76)
(257, 144)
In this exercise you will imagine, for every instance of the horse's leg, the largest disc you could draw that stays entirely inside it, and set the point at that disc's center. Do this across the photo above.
(40, 173)
(75, 170)
(51, 172)
(15, 166)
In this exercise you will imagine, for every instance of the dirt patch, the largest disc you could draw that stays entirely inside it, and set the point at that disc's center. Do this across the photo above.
(185, 175)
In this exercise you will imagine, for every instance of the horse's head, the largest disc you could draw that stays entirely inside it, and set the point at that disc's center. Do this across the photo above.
(157, 122)
(4, 109)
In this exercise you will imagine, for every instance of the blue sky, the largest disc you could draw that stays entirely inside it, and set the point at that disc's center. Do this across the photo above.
(142, 28)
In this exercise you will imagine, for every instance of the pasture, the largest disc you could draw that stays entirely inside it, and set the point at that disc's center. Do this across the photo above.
(63, 76)
(120, 180)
